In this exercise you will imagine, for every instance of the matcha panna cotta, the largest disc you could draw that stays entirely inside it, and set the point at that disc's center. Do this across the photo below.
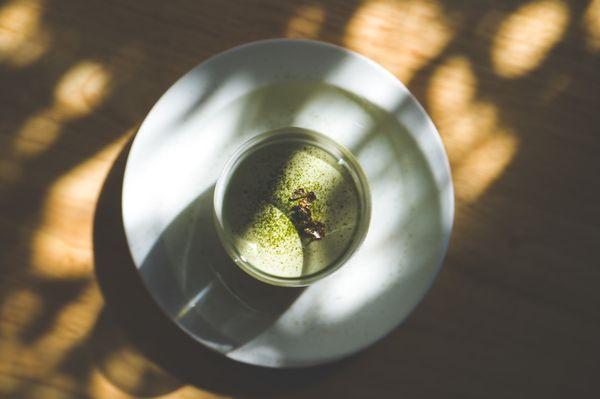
(291, 206)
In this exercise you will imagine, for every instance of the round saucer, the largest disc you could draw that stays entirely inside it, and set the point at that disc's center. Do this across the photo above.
(181, 148)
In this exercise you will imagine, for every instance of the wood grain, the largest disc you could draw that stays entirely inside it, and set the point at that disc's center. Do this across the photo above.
(512, 87)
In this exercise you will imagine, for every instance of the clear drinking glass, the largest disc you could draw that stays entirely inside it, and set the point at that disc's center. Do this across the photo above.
(294, 136)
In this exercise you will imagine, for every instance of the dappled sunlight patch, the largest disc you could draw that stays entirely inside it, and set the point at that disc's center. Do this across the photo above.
(99, 386)
(19, 310)
(306, 22)
(129, 370)
(484, 165)
(82, 88)
(84, 181)
(52, 390)
(38, 133)
(402, 36)
(478, 146)
(61, 254)
(461, 133)
(452, 87)
(40, 360)
(73, 323)
(22, 39)
(451, 99)
(62, 244)
(591, 25)
(18, 386)
(127, 367)
(527, 36)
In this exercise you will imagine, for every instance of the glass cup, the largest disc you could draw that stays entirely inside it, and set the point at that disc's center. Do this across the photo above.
(294, 136)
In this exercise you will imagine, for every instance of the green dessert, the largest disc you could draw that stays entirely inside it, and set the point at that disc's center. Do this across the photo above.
(291, 209)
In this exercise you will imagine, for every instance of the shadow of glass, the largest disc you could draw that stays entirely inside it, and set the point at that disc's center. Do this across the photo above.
(213, 299)
(148, 327)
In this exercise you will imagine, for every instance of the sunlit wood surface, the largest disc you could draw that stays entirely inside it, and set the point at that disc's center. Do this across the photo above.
(513, 88)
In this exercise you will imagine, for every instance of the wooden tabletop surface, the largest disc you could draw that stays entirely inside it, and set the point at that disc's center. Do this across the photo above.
(513, 88)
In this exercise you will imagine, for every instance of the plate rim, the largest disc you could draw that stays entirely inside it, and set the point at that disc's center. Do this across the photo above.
(447, 222)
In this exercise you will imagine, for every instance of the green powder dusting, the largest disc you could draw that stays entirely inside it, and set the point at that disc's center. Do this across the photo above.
(258, 208)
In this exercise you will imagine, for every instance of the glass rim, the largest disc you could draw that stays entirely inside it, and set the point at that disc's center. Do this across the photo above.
(323, 142)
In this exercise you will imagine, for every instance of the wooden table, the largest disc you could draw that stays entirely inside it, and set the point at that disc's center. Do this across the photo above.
(512, 87)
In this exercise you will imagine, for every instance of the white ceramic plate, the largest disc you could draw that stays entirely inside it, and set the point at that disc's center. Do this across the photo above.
(181, 148)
